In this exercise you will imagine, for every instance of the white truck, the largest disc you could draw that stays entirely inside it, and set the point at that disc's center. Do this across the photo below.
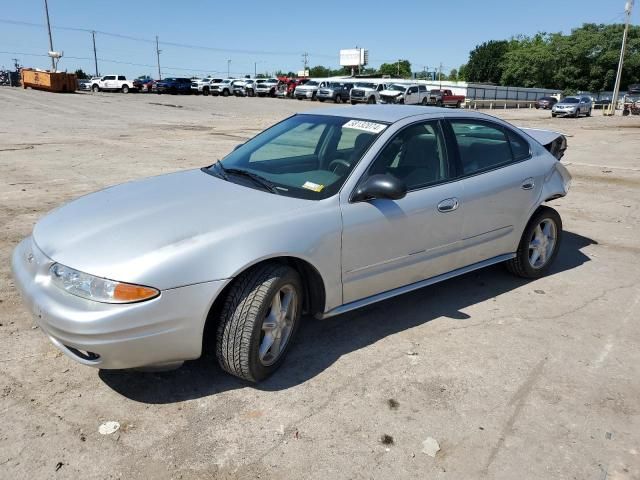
(223, 87)
(267, 87)
(112, 83)
(203, 86)
(308, 90)
(407, 94)
(366, 92)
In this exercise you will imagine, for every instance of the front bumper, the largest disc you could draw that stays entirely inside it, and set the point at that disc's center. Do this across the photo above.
(165, 330)
(564, 113)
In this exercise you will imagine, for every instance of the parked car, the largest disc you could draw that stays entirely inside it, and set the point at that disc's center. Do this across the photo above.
(173, 85)
(321, 214)
(572, 107)
(445, 98)
(267, 87)
(335, 91)
(308, 90)
(112, 83)
(601, 103)
(204, 86)
(366, 92)
(402, 93)
(238, 87)
(143, 83)
(223, 87)
(250, 87)
(545, 102)
(84, 84)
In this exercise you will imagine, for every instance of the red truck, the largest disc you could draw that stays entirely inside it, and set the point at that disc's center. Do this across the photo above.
(444, 98)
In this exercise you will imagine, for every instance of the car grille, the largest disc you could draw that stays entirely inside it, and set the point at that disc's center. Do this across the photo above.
(195, 85)
(357, 93)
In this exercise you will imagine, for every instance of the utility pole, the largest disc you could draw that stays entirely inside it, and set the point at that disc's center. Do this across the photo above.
(158, 56)
(616, 89)
(398, 67)
(305, 62)
(229, 68)
(95, 55)
(255, 69)
(440, 75)
(46, 10)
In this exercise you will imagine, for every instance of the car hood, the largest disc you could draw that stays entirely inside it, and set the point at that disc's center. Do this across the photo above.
(562, 104)
(151, 231)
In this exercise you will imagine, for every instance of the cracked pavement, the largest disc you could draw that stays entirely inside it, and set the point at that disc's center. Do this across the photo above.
(514, 379)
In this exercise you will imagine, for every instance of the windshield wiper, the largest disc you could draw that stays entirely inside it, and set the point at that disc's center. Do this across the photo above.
(257, 179)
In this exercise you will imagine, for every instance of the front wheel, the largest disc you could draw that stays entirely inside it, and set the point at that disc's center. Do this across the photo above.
(353, 103)
(125, 89)
(371, 100)
(258, 321)
(538, 246)
(95, 89)
(589, 113)
(225, 93)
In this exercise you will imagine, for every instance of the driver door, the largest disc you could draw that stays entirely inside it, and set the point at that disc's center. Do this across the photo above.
(388, 244)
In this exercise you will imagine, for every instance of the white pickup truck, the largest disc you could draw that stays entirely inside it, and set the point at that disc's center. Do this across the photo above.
(366, 92)
(406, 94)
(223, 87)
(112, 83)
(204, 86)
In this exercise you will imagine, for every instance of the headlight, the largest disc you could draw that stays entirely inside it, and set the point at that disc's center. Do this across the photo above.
(98, 289)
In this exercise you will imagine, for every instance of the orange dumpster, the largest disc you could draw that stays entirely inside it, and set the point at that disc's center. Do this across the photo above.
(49, 81)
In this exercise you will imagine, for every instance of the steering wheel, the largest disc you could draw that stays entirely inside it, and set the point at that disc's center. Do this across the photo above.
(335, 165)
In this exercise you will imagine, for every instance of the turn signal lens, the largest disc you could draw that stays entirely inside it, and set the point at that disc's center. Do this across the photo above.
(99, 289)
(125, 292)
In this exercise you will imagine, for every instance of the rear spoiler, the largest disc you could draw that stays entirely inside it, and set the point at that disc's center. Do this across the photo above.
(554, 142)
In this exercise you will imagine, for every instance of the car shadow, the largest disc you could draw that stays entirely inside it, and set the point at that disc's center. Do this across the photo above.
(320, 343)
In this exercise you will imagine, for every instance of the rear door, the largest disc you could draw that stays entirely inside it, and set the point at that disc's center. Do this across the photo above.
(500, 184)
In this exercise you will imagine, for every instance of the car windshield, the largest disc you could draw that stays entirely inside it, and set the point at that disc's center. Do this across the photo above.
(399, 88)
(333, 84)
(170, 79)
(311, 84)
(304, 156)
(571, 100)
(365, 85)
(548, 99)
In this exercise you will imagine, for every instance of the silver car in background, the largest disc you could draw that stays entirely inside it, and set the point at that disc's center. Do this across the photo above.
(572, 107)
(320, 214)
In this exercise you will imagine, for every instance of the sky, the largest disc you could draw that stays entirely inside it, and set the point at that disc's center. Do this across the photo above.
(199, 37)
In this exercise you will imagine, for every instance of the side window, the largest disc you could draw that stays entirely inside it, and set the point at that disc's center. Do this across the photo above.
(121, 77)
(413, 90)
(519, 146)
(416, 155)
(422, 88)
(380, 88)
(482, 145)
(297, 142)
(109, 77)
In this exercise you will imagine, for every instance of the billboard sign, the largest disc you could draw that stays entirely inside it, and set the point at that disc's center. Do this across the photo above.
(353, 57)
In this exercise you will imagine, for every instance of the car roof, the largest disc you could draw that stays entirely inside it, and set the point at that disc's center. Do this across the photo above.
(391, 113)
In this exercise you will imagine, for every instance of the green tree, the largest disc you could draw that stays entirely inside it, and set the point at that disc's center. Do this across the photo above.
(81, 75)
(453, 75)
(485, 62)
(400, 68)
(462, 72)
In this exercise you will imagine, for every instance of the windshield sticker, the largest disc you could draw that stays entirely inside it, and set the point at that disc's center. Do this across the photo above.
(313, 186)
(371, 127)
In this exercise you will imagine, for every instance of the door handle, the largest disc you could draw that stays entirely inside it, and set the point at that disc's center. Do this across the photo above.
(528, 184)
(448, 205)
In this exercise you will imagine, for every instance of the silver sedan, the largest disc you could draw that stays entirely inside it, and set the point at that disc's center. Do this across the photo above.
(320, 214)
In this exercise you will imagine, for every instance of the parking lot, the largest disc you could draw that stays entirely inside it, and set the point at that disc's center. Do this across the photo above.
(513, 379)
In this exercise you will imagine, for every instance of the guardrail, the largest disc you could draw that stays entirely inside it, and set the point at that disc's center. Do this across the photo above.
(497, 103)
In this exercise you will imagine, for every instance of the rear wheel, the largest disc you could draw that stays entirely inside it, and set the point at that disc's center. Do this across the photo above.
(425, 101)
(125, 89)
(258, 321)
(205, 91)
(553, 115)
(589, 113)
(225, 93)
(439, 103)
(95, 89)
(538, 246)
(458, 104)
(371, 100)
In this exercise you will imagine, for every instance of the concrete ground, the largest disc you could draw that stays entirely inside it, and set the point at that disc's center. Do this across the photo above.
(513, 379)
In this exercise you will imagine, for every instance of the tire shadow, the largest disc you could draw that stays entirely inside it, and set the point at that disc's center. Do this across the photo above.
(320, 343)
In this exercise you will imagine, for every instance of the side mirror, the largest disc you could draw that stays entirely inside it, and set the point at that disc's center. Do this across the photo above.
(380, 186)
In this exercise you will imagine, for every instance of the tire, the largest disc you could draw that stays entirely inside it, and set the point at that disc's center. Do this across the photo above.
(338, 99)
(522, 265)
(321, 100)
(225, 93)
(589, 113)
(458, 104)
(241, 330)
(353, 103)
(554, 115)
(425, 101)
(371, 101)
(205, 91)
(299, 98)
(95, 89)
(439, 103)
(125, 89)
